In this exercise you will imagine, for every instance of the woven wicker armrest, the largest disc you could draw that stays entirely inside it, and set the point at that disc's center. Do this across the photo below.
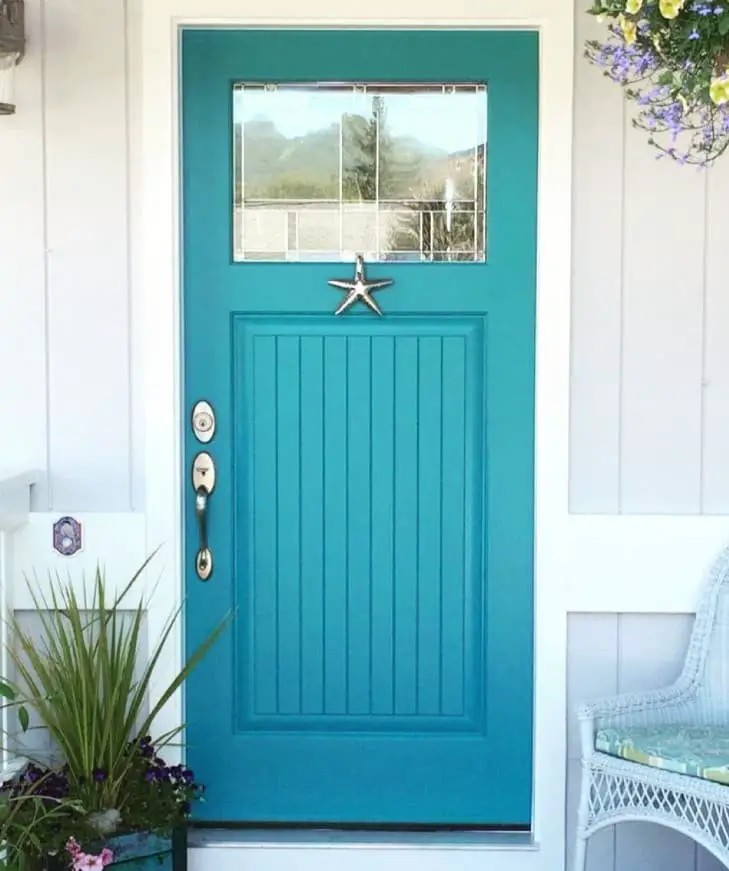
(672, 705)
(623, 707)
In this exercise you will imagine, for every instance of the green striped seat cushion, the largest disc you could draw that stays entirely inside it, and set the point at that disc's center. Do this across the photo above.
(698, 751)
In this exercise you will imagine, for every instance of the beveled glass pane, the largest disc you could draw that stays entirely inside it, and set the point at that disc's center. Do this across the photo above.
(326, 171)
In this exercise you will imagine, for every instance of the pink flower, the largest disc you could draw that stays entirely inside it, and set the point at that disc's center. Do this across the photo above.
(88, 861)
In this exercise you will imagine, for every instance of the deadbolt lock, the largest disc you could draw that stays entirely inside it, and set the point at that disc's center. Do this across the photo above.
(203, 421)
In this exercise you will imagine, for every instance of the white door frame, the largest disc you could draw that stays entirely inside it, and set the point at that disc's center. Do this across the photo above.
(154, 58)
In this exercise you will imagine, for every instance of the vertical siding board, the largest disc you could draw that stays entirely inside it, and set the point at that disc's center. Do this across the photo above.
(662, 333)
(596, 282)
(715, 484)
(706, 862)
(651, 650)
(610, 653)
(592, 668)
(22, 262)
(135, 197)
(592, 673)
(86, 165)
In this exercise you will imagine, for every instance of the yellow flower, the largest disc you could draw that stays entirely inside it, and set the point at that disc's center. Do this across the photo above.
(629, 28)
(671, 8)
(719, 90)
(632, 7)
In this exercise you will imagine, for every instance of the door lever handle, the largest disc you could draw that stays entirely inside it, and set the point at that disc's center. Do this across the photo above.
(203, 480)
(201, 507)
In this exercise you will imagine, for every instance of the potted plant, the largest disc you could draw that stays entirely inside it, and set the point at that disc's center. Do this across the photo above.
(91, 692)
(23, 814)
(672, 59)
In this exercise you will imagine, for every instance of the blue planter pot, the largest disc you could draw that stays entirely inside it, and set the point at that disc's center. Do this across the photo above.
(141, 851)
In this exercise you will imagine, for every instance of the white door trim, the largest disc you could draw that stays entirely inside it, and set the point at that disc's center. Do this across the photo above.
(155, 160)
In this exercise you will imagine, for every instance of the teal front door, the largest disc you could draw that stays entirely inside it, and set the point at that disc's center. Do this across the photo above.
(372, 515)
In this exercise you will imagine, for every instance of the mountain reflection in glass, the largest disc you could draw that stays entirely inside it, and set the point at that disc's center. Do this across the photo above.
(395, 172)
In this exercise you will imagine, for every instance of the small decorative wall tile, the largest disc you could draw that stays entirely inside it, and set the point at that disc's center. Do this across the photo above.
(67, 536)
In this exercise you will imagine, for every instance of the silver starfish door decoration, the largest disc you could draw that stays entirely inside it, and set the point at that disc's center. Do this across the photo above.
(359, 288)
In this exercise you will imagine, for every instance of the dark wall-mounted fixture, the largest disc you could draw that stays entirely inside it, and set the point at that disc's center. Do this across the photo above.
(12, 49)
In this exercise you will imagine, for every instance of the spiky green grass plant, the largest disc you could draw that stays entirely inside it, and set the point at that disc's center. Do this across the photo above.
(88, 687)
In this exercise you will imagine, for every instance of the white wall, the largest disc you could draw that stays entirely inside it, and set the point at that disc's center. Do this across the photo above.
(650, 309)
(65, 351)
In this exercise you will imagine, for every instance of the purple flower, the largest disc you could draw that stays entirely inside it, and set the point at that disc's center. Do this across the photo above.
(150, 775)
(694, 34)
(99, 775)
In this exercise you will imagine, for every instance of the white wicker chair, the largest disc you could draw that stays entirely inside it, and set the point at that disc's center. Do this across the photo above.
(615, 790)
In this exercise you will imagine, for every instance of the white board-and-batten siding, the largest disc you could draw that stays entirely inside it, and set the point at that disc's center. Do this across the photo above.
(650, 315)
(66, 200)
(650, 309)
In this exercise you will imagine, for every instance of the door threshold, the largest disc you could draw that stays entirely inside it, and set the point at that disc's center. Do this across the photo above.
(347, 839)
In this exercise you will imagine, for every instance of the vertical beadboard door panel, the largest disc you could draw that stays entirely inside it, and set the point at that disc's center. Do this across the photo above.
(596, 282)
(22, 264)
(331, 414)
(651, 651)
(715, 479)
(662, 333)
(89, 373)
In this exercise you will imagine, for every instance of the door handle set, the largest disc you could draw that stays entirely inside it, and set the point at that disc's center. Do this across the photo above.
(203, 484)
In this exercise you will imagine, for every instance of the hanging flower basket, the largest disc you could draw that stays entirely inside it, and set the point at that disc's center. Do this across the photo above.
(672, 59)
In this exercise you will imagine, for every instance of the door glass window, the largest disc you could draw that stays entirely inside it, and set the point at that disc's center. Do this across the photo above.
(394, 172)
